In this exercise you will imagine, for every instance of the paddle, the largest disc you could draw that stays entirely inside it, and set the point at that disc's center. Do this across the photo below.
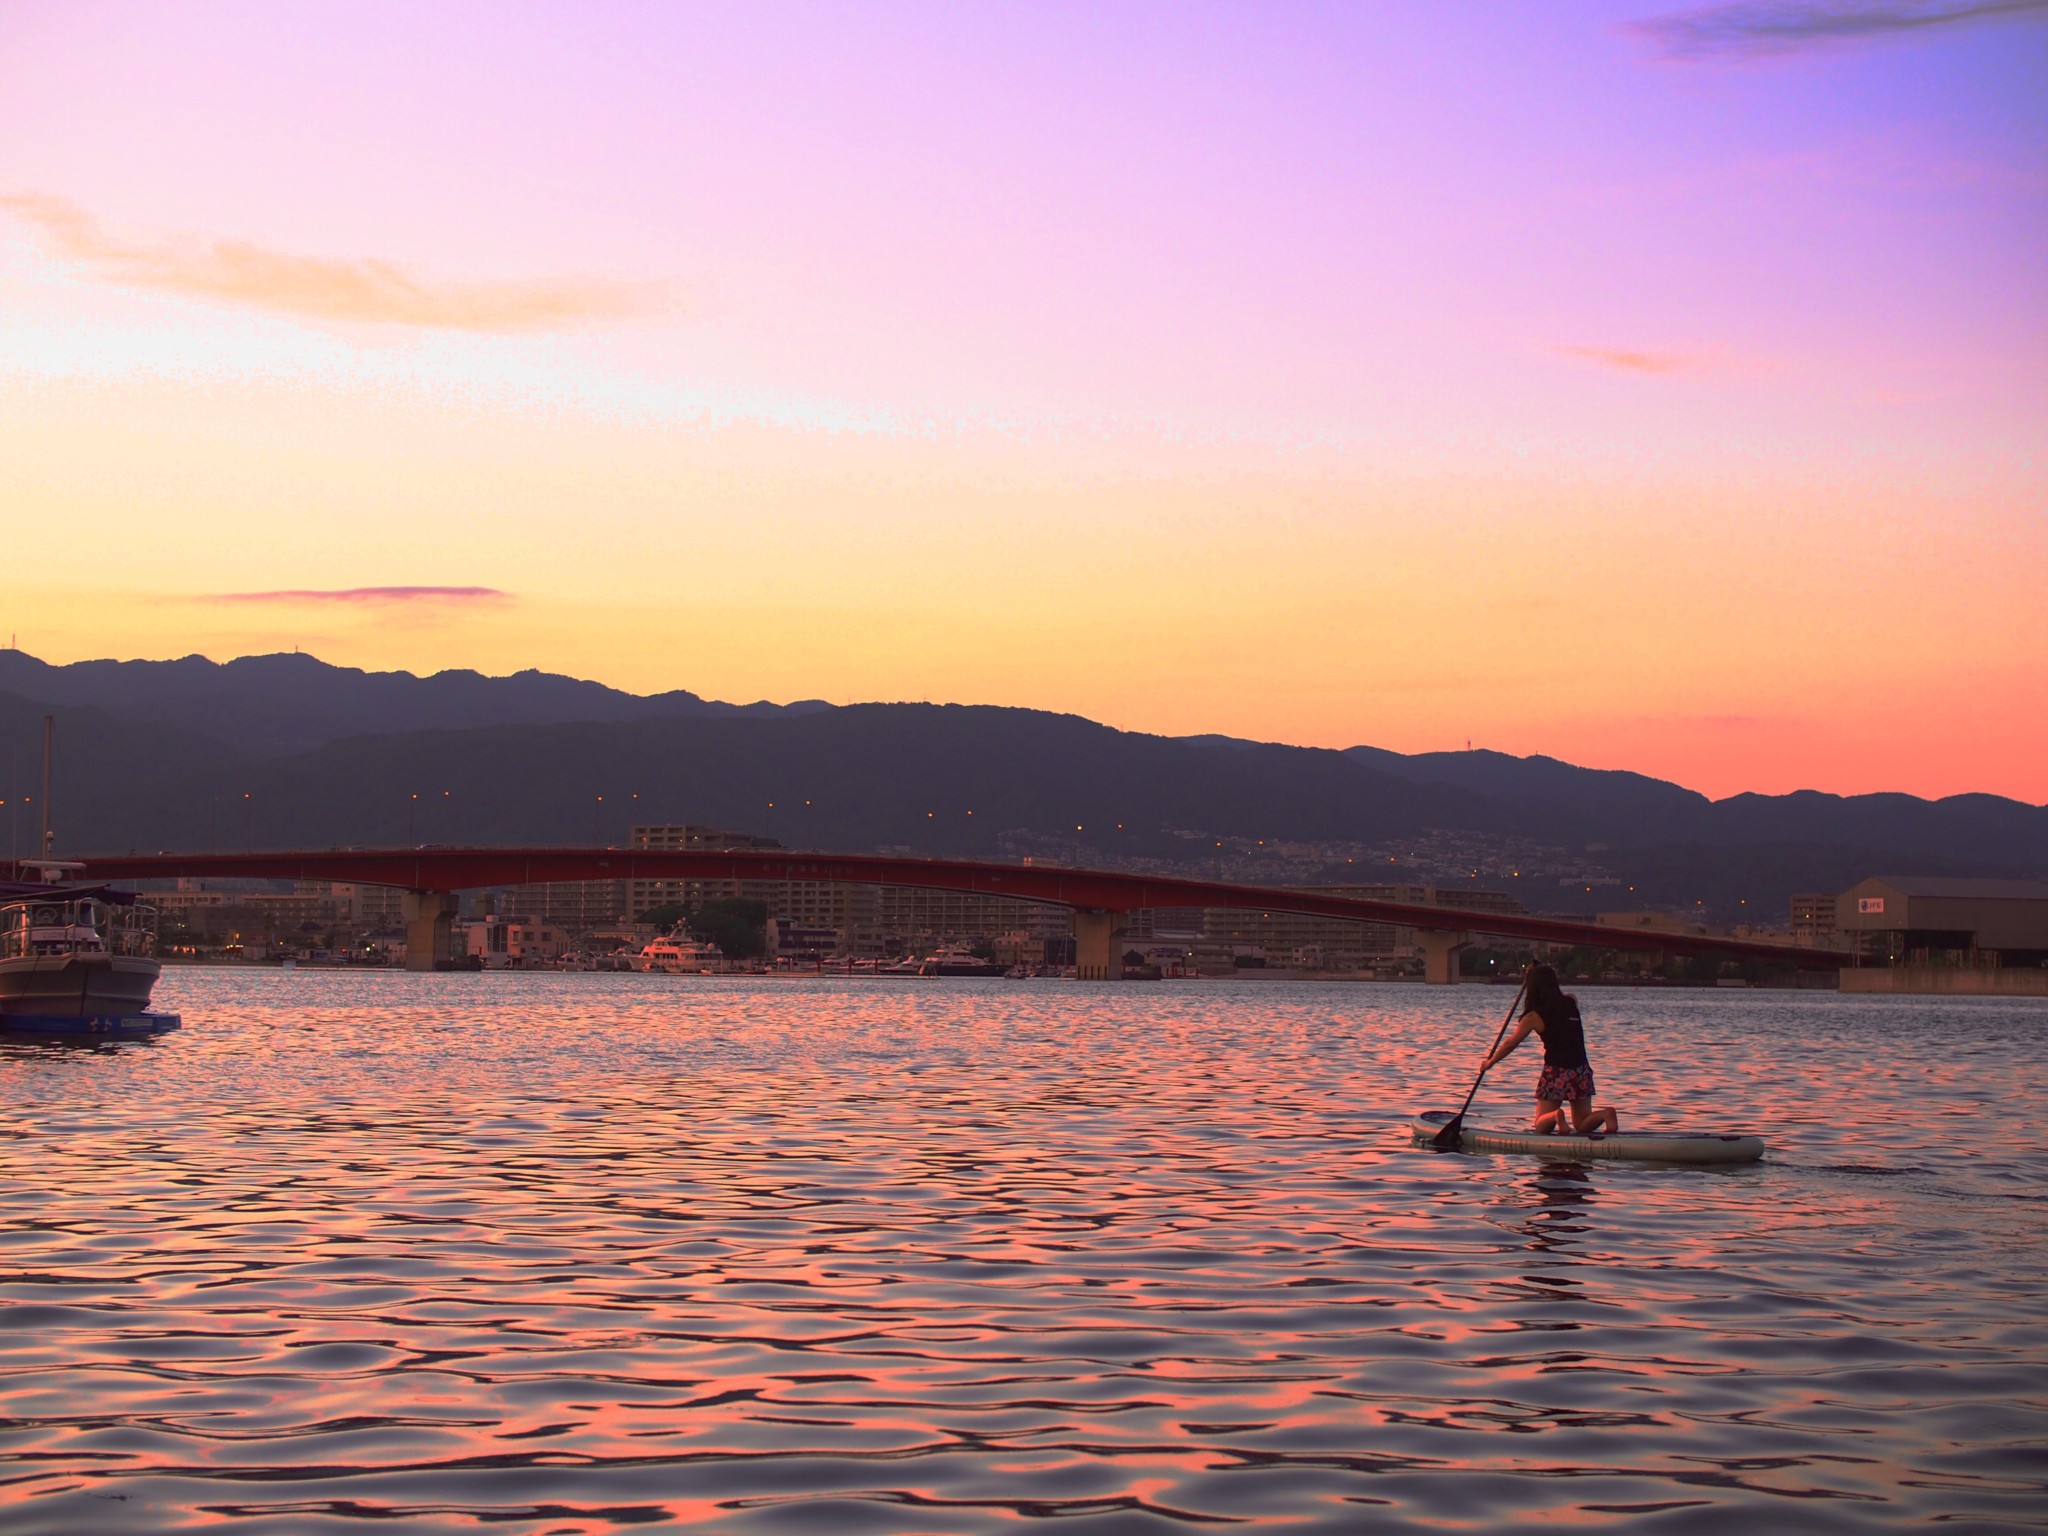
(1446, 1140)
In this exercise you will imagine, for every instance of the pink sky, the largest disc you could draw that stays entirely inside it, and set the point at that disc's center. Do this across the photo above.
(1649, 386)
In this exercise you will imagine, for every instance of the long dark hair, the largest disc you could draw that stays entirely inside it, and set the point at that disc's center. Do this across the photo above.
(1546, 999)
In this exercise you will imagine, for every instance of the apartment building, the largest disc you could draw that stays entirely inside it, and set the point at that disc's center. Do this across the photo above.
(689, 837)
(1333, 943)
(868, 920)
(574, 904)
(510, 941)
(1813, 920)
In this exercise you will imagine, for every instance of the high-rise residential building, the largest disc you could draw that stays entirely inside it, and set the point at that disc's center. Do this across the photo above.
(910, 918)
(689, 837)
(1337, 943)
(578, 905)
(868, 919)
(367, 907)
(1813, 920)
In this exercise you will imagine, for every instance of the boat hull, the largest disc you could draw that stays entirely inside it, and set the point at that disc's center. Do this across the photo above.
(77, 986)
(91, 1026)
(1635, 1146)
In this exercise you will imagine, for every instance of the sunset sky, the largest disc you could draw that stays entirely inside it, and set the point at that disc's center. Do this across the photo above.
(1653, 388)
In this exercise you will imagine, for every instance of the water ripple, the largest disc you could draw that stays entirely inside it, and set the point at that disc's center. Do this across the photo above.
(575, 1254)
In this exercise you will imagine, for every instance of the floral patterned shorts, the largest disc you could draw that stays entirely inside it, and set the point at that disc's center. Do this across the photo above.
(1561, 1085)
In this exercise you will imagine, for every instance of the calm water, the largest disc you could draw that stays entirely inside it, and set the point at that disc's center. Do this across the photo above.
(565, 1254)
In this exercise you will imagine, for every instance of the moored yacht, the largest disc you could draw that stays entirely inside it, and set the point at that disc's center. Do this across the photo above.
(959, 960)
(76, 959)
(678, 956)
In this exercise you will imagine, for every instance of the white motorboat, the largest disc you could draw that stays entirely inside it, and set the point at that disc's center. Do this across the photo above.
(77, 958)
(676, 955)
(959, 960)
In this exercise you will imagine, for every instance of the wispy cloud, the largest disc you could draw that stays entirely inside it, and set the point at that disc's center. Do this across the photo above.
(1750, 28)
(367, 595)
(1629, 361)
(320, 287)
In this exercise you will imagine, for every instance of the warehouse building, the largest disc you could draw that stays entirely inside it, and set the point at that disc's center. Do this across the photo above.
(1922, 921)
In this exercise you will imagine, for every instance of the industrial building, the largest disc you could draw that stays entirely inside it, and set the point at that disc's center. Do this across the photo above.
(1901, 920)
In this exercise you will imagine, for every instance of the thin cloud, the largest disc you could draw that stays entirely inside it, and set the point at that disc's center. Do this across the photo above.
(322, 288)
(367, 595)
(1752, 28)
(1631, 362)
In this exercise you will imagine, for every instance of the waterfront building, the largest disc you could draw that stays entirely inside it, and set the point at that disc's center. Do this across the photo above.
(1813, 920)
(865, 920)
(191, 905)
(575, 904)
(501, 942)
(1164, 925)
(1925, 921)
(1331, 943)
(1230, 936)
(910, 920)
(850, 913)
(366, 907)
(242, 909)
(792, 942)
(646, 895)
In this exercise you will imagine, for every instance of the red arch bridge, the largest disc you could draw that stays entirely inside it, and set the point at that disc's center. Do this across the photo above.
(1100, 898)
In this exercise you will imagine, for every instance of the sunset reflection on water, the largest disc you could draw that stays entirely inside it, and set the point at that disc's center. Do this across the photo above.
(575, 1253)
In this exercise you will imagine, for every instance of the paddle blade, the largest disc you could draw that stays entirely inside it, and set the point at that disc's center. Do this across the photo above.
(1446, 1140)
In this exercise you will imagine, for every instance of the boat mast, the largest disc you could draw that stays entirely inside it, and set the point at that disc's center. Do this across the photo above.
(49, 841)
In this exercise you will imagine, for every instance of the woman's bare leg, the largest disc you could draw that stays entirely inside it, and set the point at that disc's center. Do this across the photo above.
(1549, 1115)
(1586, 1118)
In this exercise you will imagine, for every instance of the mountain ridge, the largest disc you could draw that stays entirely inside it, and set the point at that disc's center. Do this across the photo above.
(289, 751)
(262, 703)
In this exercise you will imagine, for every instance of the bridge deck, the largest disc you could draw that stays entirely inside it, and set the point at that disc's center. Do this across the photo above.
(1097, 890)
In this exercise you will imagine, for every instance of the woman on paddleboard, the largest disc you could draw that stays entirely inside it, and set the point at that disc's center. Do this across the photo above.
(1567, 1076)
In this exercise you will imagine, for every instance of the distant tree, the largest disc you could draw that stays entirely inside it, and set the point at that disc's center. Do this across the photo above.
(666, 916)
(982, 949)
(737, 926)
(1700, 970)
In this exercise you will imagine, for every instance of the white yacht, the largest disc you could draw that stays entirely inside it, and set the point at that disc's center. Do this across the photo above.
(959, 960)
(678, 955)
(77, 959)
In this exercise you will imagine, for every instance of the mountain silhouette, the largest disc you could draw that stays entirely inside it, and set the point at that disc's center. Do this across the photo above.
(288, 751)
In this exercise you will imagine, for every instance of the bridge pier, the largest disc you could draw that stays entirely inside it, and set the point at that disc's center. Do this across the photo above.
(1440, 953)
(429, 919)
(1095, 948)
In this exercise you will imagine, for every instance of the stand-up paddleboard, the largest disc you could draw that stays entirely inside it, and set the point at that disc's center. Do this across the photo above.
(1641, 1146)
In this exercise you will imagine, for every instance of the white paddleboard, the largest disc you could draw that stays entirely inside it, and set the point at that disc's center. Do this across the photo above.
(1642, 1146)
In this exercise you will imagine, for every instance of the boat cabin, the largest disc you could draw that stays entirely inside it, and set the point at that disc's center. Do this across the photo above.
(74, 922)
